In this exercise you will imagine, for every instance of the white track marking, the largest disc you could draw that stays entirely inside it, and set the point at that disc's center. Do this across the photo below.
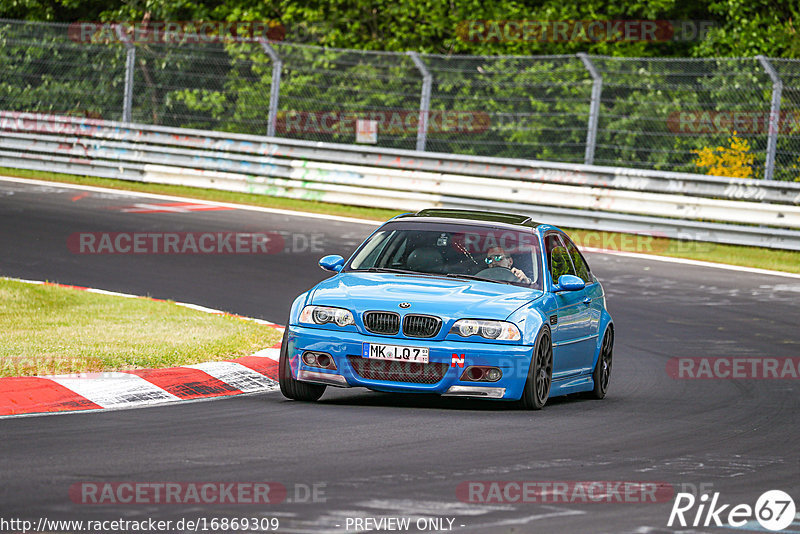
(411, 507)
(37, 282)
(237, 375)
(111, 390)
(203, 309)
(111, 293)
(271, 353)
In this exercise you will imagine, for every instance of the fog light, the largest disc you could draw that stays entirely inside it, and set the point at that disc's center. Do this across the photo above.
(323, 360)
(309, 358)
(493, 374)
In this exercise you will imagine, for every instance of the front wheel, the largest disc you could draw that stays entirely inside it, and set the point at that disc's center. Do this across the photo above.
(540, 374)
(602, 371)
(291, 388)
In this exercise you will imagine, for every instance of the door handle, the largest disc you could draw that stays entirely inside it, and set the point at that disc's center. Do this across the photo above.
(587, 301)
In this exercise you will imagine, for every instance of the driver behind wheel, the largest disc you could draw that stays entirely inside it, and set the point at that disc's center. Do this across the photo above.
(497, 257)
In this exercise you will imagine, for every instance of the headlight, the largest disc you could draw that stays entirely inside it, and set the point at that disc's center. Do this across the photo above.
(501, 330)
(325, 315)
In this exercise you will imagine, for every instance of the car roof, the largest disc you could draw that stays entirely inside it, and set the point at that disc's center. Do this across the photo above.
(472, 215)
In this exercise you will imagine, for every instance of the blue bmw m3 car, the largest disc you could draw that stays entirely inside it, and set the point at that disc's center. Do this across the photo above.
(453, 302)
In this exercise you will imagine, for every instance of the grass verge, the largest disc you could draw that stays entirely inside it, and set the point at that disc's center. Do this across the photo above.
(54, 330)
(761, 258)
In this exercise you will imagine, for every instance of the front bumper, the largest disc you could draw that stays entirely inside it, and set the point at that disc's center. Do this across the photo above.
(455, 356)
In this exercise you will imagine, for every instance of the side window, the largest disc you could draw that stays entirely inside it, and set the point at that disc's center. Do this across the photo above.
(581, 267)
(557, 257)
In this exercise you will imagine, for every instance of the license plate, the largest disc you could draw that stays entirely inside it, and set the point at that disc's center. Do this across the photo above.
(395, 353)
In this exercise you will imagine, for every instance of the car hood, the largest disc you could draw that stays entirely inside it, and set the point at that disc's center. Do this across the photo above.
(444, 297)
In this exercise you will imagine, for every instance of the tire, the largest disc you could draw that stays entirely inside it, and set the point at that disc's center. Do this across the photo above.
(602, 370)
(540, 373)
(291, 388)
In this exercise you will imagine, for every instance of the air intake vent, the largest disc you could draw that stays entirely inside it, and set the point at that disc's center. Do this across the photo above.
(421, 325)
(382, 322)
(394, 371)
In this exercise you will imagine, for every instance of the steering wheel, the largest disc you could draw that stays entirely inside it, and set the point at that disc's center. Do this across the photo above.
(501, 274)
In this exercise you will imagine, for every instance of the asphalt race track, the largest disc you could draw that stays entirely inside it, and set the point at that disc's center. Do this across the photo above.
(376, 455)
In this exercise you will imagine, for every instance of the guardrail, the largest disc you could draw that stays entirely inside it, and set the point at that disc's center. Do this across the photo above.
(684, 206)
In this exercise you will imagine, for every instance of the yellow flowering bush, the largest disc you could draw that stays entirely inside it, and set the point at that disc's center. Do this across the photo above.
(735, 161)
(796, 168)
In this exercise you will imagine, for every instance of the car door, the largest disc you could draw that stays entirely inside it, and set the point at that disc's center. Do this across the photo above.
(593, 298)
(570, 321)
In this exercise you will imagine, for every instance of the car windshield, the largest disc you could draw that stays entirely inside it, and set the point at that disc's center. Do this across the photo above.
(495, 254)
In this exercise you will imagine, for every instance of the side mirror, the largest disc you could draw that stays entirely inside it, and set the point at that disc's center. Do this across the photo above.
(333, 263)
(569, 282)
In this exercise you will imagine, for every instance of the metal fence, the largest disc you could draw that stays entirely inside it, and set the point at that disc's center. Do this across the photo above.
(631, 112)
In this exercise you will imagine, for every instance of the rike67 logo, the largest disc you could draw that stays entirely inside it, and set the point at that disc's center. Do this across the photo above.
(774, 510)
